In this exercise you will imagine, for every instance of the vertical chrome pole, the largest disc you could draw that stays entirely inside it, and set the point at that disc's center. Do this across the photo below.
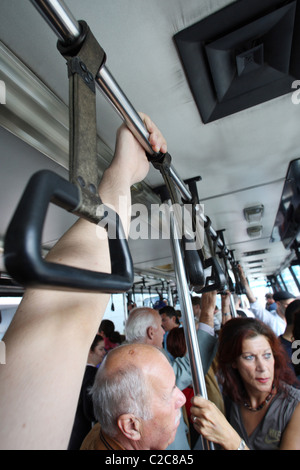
(125, 308)
(188, 318)
(232, 307)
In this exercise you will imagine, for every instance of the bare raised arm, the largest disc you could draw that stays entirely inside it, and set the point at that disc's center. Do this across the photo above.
(208, 304)
(49, 338)
(225, 306)
(251, 297)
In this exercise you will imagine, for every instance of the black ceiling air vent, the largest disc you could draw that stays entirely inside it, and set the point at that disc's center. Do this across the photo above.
(241, 56)
(256, 253)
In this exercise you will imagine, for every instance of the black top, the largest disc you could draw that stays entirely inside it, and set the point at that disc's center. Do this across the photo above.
(85, 412)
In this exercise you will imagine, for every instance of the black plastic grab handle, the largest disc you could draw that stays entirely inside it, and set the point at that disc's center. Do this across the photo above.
(22, 249)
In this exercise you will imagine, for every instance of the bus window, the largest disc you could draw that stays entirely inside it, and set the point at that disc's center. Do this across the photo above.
(280, 282)
(289, 282)
(259, 289)
(295, 270)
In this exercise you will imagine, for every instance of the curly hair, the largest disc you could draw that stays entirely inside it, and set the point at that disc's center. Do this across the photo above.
(231, 338)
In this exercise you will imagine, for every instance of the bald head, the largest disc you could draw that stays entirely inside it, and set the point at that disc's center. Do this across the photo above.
(122, 384)
(135, 354)
(135, 397)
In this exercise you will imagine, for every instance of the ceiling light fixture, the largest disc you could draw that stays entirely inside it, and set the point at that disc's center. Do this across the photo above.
(255, 231)
(254, 214)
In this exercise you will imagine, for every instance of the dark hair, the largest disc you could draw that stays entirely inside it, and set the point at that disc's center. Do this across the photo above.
(96, 341)
(291, 310)
(108, 328)
(231, 338)
(176, 342)
(170, 312)
(196, 300)
(296, 328)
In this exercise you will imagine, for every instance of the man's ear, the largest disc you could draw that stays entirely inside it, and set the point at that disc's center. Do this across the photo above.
(130, 426)
(150, 332)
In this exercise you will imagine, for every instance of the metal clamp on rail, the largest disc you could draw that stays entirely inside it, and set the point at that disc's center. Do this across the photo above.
(79, 195)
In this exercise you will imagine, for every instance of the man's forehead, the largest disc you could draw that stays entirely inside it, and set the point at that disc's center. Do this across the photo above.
(135, 353)
(156, 360)
(161, 375)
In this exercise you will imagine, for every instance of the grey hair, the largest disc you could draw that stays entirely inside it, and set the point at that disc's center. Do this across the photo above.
(123, 392)
(139, 320)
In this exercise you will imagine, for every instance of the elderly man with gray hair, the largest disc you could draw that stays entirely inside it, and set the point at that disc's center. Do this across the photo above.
(136, 401)
(144, 325)
(122, 400)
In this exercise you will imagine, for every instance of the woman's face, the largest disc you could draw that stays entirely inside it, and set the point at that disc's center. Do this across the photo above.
(99, 351)
(256, 364)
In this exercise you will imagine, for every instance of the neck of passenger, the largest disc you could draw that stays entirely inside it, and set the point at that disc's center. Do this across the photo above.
(256, 398)
(288, 334)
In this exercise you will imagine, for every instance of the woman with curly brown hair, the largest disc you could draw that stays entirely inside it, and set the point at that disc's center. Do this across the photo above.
(263, 406)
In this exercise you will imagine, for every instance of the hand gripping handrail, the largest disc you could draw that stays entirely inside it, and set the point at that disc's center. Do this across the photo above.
(22, 252)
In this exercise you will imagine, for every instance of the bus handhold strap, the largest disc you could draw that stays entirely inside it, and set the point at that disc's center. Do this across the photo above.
(79, 195)
(239, 288)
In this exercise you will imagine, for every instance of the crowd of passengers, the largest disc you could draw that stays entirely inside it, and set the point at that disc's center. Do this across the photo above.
(251, 373)
(141, 396)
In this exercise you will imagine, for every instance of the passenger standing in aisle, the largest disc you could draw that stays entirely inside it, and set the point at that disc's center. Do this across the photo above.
(136, 401)
(144, 325)
(287, 337)
(263, 407)
(276, 320)
(169, 320)
(85, 418)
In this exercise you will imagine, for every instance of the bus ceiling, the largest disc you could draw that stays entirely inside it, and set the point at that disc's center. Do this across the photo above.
(231, 132)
